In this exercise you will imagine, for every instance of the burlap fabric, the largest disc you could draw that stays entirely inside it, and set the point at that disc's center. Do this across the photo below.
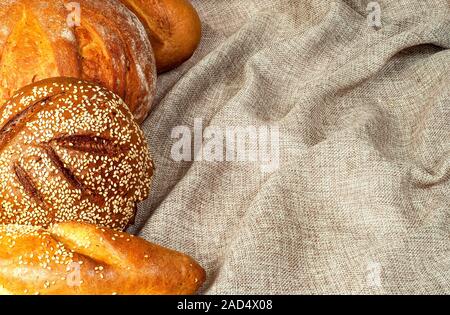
(360, 202)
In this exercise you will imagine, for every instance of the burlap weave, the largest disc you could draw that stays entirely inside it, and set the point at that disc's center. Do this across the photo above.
(361, 200)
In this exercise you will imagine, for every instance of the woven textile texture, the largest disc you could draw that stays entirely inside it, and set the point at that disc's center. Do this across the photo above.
(360, 201)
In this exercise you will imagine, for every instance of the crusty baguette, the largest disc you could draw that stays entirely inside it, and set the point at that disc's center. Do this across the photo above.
(174, 28)
(71, 151)
(81, 259)
(41, 39)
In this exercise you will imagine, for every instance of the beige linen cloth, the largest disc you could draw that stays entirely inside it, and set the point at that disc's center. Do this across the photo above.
(360, 202)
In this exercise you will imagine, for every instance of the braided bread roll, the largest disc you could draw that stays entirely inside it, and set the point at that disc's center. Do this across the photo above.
(102, 42)
(74, 258)
(71, 151)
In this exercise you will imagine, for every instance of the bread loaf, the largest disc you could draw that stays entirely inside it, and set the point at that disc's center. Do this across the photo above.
(43, 39)
(173, 26)
(70, 151)
(73, 258)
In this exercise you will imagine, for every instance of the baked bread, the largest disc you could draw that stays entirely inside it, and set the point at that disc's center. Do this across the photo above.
(108, 47)
(173, 26)
(71, 151)
(74, 258)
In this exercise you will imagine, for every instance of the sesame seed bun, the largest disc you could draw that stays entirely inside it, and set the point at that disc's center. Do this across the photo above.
(71, 151)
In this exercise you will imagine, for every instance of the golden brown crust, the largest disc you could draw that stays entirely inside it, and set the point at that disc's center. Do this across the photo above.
(109, 47)
(70, 151)
(174, 28)
(74, 258)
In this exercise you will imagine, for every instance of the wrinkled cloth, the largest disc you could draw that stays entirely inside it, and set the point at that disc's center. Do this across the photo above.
(360, 203)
